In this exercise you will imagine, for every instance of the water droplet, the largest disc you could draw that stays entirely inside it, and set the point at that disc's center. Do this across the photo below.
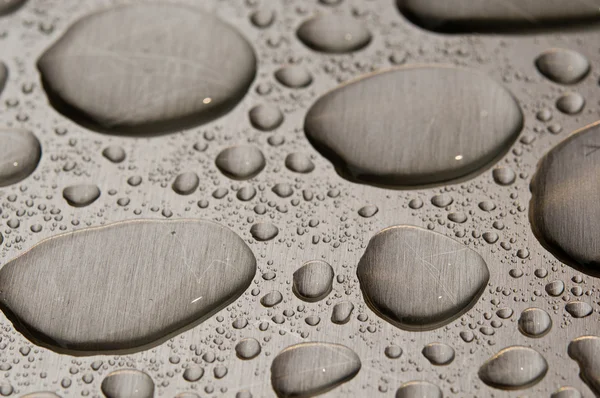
(514, 368)
(265, 117)
(168, 78)
(419, 389)
(504, 176)
(262, 18)
(406, 144)
(334, 34)
(555, 288)
(193, 373)
(129, 383)
(293, 76)
(308, 369)
(263, 231)
(271, 299)
(341, 312)
(578, 309)
(114, 281)
(114, 153)
(566, 392)
(186, 183)
(240, 162)
(563, 66)
(283, 190)
(402, 263)
(534, 322)
(393, 351)
(20, 153)
(438, 354)
(456, 16)
(368, 211)
(81, 195)
(570, 103)
(247, 348)
(299, 163)
(563, 205)
(313, 280)
(585, 350)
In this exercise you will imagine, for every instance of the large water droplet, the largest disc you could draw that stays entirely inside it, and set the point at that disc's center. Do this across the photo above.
(188, 70)
(334, 34)
(563, 66)
(514, 368)
(563, 207)
(492, 16)
(20, 153)
(265, 117)
(186, 183)
(586, 351)
(307, 369)
(114, 281)
(439, 354)
(534, 322)
(419, 280)
(425, 124)
(341, 312)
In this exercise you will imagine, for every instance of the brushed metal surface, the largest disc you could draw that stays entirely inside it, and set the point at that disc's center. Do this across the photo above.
(308, 216)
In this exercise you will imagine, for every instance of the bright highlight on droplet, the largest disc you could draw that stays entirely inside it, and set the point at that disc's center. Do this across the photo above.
(458, 157)
(207, 100)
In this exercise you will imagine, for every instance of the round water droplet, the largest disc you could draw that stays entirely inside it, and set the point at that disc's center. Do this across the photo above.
(566, 392)
(402, 263)
(563, 66)
(265, 117)
(313, 281)
(393, 351)
(81, 195)
(335, 34)
(241, 162)
(247, 348)
(262, 18)
(570, 103)
(151, 80)
(193, 373)
(555, 288)
(299, 163)
(186, 183)
(368, 211)
(406, 145)
(20, 153)
(293, 76)
(129, 383)
(271, 299)
(513, 368)
(308, 369)
(534, 322)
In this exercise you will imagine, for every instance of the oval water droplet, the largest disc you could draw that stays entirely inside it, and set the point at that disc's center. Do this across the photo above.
(248, 348)
(240, 162)
(578, 309)
(186, 183)
(563, 206)
(570, 103)
(335, 34)
(308, 369)
(20, 153)
(114, 153)
(563, 66)
(534, 322)
(293, 76)
(419, 389)
(341, 312)
(438, 354)
(167, 79)
(514, 368)
(406, 144)
(313, 281)
(299, 163)
(128, 383)
(264, 231)
(114, 281)
(415, 278)
(265, 117)
(81, 195)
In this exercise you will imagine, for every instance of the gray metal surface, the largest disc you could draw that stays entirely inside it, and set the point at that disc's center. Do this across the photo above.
(290, 206)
